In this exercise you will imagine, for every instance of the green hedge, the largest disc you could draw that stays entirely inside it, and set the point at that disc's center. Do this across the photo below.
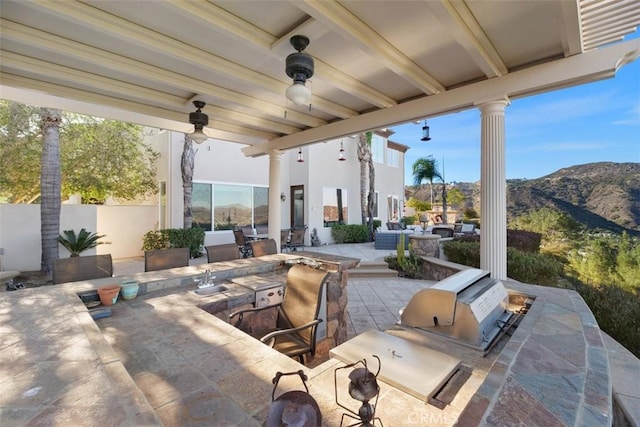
(192, 238)
(350, 233)
(534, 268)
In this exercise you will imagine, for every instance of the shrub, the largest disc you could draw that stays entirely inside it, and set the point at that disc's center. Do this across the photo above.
(376, 223)
(350, 233)
(409, 267)
(525, 267)
(408, 220)
(192, 238)
(527, 241)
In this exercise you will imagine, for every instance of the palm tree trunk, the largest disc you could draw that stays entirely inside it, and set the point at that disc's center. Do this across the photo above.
(371, 196)
(50, 188)
(186, 167)
(362, 158)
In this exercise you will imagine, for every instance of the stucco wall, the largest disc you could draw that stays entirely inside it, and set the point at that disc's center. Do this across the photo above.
(123, 226)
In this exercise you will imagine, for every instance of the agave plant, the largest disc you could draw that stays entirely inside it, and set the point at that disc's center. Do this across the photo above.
(83, 241)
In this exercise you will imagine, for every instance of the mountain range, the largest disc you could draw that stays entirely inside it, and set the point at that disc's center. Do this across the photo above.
(604, 195)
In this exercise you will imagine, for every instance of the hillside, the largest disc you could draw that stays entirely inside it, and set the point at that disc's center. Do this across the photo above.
(600, 195)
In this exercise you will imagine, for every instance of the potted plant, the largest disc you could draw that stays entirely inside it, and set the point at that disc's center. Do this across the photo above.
(83, 241)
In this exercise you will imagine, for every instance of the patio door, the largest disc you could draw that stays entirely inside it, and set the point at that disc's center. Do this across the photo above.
(297, 206)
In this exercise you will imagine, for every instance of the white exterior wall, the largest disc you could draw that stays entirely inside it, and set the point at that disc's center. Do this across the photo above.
(123, 226)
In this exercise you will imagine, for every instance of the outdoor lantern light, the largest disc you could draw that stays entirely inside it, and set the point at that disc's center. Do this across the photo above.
(299, 66)
(341, 156)
(425, 132)
(300, 158)
(199, 120)
(363, 388)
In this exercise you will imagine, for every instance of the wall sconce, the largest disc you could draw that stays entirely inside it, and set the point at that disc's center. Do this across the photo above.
(425, 132)
(341, 156)
(199, 120)
(300, 157)
(283, 197)
(299, 66)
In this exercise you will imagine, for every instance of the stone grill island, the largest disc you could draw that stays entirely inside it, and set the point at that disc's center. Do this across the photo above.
(170, 357)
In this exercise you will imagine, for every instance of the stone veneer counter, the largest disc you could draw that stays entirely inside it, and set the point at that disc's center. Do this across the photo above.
(187, 367)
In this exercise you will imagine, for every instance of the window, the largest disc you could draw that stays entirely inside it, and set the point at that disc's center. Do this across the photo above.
(378, 144)
(376, 196)
(226, 206)
(334, 206)
(393, 157)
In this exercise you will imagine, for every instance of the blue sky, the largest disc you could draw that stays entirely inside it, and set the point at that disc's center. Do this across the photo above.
(584, 124)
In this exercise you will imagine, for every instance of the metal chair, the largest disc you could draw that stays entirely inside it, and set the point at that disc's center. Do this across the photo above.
(284, 239)
(78, 268)
(264, 247)
(225, 252)
(297, 238)
(243, 244)
(163, 259)
(297, 322)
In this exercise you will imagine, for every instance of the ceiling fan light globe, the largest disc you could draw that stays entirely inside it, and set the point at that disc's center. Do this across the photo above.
(198, 136)
(298, 93)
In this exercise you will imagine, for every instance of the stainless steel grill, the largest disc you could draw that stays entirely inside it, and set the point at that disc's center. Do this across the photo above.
(468, 307)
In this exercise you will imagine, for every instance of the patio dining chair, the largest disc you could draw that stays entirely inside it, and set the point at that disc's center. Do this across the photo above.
(78, 268)
(297, 238)
(263, 247)
(297, 321)
(284, 239)
(163, 259)
(243, 243)
(224, 252)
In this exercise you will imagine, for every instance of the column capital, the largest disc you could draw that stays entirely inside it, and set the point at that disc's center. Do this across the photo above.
(275, 154)
(497, 102)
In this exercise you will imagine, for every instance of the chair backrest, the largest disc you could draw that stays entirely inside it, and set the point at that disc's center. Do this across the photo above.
(240, 237)
(443, 231)
(264, 247)
(224, 252)
(78, 268)
(302, 300)
(468, 228)
(297, 237)
(284, 237)
(162, 259)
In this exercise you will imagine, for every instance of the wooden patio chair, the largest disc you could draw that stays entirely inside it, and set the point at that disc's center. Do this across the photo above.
(78, 268)
(264, 247)
(163, 259)
(297, 322)
(224, 252)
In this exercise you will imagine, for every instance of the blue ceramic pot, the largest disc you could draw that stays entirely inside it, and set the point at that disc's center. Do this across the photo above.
(129, 289)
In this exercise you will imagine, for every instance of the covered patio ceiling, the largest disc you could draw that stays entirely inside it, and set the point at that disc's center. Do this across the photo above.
(377, 63)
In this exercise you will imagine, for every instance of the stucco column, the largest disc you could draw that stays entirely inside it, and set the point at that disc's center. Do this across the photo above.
(493, 194)
(275, 204)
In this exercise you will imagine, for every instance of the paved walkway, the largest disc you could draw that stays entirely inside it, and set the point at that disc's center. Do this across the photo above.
(373, 303)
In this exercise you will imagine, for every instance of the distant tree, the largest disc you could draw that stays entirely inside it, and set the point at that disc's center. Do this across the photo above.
(426, 169)
(102, 158)
(367, 179)
(98, 158)
(456, 198)
(20, 152)
(418, 205)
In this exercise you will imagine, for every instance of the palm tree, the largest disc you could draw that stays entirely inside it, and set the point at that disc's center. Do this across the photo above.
(186, 167)
(366, 195)
(50, 187)
(426, 168)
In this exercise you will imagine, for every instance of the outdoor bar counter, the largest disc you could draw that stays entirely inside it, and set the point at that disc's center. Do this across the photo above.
(162, 360)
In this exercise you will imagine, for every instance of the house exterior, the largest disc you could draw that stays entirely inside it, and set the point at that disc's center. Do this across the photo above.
(232, 190)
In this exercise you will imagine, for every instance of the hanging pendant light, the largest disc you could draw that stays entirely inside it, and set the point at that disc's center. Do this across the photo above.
(199, 120)
(425, 132)
(299, 66)
(300, 157)
(341, 156)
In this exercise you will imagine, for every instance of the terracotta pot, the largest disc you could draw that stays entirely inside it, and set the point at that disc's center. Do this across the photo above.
(109, 294)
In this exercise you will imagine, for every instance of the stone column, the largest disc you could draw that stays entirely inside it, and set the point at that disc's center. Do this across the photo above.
(493, 204)
(275, 204)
